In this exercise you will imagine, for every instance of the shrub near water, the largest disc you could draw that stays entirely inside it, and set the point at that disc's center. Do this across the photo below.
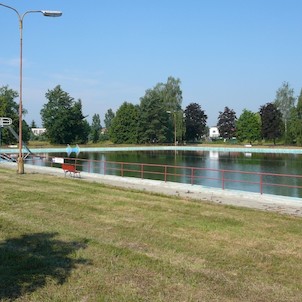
(69, 240)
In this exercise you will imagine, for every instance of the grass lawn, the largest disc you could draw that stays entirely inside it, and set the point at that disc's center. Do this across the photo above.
(64, 239)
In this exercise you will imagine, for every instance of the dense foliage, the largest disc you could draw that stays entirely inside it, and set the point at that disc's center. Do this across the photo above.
(153, 124)
(10, 108)
(195, 122)
(159, 118)
(271, 122)
(285, 103)
(63, 119)
(95, 128)
(109, 116)
(248, 127)
(294, 125)
(227, 123)
(124, 126)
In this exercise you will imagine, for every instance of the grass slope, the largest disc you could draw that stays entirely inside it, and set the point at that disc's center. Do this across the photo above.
(63, 239)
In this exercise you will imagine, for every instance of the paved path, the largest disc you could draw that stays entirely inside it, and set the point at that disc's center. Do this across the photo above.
(266, 202)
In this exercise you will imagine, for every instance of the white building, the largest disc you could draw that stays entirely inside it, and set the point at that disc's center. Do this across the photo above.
(38, 131)
(214, 132)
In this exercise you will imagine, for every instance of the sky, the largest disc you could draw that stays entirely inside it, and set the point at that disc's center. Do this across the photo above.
(233, 53)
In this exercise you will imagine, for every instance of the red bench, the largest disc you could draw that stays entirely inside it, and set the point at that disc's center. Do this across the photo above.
(71, 169)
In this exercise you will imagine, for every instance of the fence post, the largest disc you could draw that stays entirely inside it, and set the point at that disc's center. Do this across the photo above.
(261, 184)
(142, 171)
(122, 169)
(222, 171)
(192, 176)
(104, 167)
(165, 173)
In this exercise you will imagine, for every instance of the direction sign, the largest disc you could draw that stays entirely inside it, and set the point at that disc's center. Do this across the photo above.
(5, 121)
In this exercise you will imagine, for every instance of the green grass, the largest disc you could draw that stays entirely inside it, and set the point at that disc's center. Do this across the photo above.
(64, 239)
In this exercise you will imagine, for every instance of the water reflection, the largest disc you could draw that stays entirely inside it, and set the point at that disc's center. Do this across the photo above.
(210, 162)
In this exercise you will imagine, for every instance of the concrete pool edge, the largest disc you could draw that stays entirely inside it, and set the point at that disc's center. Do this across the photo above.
(274, 150)
(265, 202)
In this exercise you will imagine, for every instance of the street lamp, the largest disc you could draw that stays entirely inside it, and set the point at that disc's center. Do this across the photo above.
(46, 13)
(174, 113)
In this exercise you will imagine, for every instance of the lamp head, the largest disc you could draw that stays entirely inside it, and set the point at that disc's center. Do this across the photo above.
(51, 13)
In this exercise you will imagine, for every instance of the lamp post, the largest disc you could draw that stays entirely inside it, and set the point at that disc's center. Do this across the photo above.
(46, 13)
(174, 115)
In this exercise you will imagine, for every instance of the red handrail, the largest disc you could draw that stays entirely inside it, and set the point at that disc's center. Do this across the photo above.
(194, 174)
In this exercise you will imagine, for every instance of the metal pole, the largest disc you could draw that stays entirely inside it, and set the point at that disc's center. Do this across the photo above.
(20, 158)
(142, 171)
(20, 18)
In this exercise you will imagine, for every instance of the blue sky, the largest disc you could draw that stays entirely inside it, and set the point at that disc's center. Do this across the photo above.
(233, 53)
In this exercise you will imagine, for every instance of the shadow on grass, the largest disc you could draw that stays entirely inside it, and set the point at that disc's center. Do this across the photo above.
(27, 262)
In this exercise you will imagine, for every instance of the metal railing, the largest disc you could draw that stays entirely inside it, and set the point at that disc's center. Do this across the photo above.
(260, 182)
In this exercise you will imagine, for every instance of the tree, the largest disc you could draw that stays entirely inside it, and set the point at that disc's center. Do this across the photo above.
(171, 93)
(26, 132)
(84, 129)
(165, 97)
(248, 127)
(63, 119)
(109, 116)
(9, 108)
(124, 128)
(33, 137)
(294, 125)
(271, 122)
(95, 128)
(195, 122)
(153, 124)
(227, 123)
(299, 120)
(33, 124)
(285, 102)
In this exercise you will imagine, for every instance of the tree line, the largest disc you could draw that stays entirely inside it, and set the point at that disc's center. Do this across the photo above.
(157, 119)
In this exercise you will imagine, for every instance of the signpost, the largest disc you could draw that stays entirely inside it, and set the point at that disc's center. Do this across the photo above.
(4, 121)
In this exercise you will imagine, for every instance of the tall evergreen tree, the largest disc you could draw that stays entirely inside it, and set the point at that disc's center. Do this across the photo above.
(153, 123)
(33, 124)
(227, 123)
(95, 128)
(271, 122)
(195, 122)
